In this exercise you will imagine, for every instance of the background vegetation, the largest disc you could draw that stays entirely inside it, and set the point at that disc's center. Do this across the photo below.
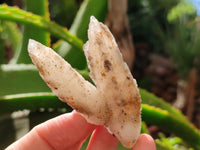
(166, 40)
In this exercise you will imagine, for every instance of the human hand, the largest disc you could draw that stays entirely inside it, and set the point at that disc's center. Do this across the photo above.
(69, 131)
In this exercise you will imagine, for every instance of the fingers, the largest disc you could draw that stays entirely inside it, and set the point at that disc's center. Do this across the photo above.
(145, 141)
(67, 131)
(101, 139)
(31, 141)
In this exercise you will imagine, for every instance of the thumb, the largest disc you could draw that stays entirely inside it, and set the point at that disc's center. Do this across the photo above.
(145, 141)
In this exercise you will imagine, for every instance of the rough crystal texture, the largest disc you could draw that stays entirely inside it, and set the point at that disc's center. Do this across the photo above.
(114, 102)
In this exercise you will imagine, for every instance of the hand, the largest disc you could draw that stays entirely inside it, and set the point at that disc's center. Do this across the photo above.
(69, 131)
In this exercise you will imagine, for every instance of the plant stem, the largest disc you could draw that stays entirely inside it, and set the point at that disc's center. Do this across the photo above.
(23, 17)
(31, 101)
(172, 124)
(151, 99)
(39, 7)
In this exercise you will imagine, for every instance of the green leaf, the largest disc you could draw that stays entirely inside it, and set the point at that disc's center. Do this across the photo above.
(23, 17)
(144, 128)
(2, 44)
(163, 146)
(13, 34)
(10, 38)
(39, 7)
(88, 8)
(21, 78)
(172, 124)
(79, 28)
(30, 101)
(151, 99)
(24, 78)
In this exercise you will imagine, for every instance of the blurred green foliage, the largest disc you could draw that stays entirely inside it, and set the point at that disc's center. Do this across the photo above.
(180, 10)
(22, 88)
(63, 12)
(169, 29)
(148, 21)
(183, 45)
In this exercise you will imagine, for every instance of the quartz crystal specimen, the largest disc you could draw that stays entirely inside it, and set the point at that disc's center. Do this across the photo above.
(113, 101)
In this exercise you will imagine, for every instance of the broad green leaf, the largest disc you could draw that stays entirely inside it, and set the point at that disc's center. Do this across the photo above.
(24, 78)
(21, 78)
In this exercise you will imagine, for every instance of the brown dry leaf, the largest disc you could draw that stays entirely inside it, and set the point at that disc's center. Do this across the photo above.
(117, 22)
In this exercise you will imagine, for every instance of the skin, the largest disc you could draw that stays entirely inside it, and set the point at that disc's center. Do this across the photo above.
(69, 131)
